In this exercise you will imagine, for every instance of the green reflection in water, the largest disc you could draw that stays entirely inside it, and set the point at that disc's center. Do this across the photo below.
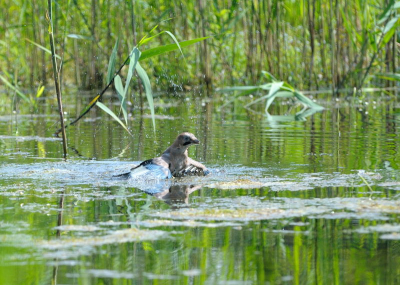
(285, 204)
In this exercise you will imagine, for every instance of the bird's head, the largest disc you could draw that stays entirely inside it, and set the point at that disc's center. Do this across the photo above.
(184, 140)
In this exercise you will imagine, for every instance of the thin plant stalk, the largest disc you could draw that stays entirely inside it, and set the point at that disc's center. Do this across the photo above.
(98, 97)
(56, 81)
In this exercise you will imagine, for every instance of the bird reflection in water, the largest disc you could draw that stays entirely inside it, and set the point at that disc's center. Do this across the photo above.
(171, 194)
(177, 194)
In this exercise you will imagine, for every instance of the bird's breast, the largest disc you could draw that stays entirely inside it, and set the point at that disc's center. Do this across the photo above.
(178, 163)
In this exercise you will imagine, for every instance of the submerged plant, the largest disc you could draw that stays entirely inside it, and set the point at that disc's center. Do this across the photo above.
(276, 89)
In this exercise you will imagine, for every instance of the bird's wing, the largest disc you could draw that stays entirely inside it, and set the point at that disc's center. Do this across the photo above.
(152, 168)
(156, 168)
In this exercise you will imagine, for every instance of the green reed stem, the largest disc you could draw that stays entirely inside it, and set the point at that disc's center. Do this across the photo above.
(56, 80)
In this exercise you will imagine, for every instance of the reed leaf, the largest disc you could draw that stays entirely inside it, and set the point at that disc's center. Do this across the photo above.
(119, 86)
(175, 40)
(284, 94)
(42, 48)
(389, 30)
(273, 94)
(133, 60)
(80, 37)
(146, 39)
(143, 40)
(388, 11)
(269, 76)
(272, 87)
(121, 96)
(111, 113)
(39, 91)
(274, 90)
(389, 76)
(307, 101)
(111, 63)
(19, 93)
(147, 87)
(237, 88)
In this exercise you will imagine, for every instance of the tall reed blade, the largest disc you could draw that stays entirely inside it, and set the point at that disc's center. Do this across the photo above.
(147, 87)
(111, 63)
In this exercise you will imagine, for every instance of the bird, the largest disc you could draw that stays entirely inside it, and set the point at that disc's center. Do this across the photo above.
(174, 162)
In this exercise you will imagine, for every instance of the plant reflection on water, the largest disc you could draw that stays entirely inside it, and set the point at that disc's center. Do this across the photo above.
(287, 198)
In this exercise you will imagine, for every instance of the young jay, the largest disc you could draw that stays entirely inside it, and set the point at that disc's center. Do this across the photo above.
(174, 162)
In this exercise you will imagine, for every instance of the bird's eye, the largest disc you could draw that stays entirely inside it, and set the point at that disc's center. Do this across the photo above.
(187, 140)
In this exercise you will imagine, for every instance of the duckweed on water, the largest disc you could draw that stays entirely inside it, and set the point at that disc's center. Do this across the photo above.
(120, 236)
(254, 209)
(237, 184)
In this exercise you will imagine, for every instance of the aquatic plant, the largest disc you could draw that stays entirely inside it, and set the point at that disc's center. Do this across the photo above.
(276, 89)
(56, 72)
(134, 65)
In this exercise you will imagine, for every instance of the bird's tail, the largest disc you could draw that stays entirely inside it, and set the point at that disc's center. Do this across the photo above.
(123, 176)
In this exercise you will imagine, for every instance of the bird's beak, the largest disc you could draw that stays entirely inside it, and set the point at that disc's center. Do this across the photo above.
(196, 141)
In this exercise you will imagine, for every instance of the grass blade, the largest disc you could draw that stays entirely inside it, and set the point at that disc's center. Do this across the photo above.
(269, 75)
(306, 101)
(80, 37)
(134, 58)
(389, 76)
(389, 11)
(111, 63)
(147, 87)
(39, 91)
(121, 96)
(111, 113)
(144, 41)
(389, 30)
(42, 48)
(119, 86)
(19, 93)
(176, 41)
(237, 88)
(273, 88)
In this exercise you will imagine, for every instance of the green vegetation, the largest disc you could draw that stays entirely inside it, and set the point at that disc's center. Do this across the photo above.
(331, 45)
(134, 65)
(308, 44)
(56, 71)
(275, 90)
(297, 202)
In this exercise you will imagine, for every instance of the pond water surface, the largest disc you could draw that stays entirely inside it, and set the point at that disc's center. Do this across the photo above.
(289, 201)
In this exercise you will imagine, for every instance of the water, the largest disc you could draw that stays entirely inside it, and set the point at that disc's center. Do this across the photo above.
(287, 203)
